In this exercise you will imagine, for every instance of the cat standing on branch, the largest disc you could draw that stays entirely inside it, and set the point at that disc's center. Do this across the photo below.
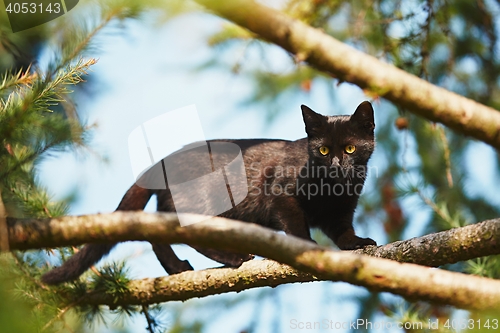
(312, 182)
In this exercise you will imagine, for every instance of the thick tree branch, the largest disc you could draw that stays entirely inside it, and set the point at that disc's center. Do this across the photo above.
(347, 64)
(446, 247)
(408, 280)
(191, 284)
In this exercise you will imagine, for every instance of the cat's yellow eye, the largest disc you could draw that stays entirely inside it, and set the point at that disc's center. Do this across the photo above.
(350, 149)
(323, 150)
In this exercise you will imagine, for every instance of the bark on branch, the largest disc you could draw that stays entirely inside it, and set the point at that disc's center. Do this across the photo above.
(409, 280)
(347, 64)
(191, 284)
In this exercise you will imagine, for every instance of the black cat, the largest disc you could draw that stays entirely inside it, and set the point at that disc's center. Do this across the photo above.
(292, 186)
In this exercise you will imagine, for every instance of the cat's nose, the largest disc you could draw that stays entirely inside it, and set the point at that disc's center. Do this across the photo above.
(335, 162)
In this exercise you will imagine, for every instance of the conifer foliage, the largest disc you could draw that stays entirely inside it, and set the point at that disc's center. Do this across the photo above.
(37, 121)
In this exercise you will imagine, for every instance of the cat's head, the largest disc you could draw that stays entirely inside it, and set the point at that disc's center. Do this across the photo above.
(340, 141)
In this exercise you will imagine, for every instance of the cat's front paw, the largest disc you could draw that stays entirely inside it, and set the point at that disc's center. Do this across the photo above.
(354, 243)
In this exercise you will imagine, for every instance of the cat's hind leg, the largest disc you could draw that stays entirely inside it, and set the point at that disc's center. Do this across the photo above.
(229, 259)
(169, 260)
(167, 257)
(173, 265)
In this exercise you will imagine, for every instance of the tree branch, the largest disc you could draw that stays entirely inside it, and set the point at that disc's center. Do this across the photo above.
(446, 247)
(191, 284)
(408, 280)
(348, 64)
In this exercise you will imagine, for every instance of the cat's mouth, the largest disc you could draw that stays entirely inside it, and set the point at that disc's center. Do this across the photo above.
(337, 163)
(342, 173)
(341, 167)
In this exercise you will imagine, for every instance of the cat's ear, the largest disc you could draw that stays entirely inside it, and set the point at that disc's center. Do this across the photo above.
(363, 116)
(314, 121)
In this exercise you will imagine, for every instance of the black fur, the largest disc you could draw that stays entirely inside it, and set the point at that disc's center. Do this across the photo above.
(291, 187)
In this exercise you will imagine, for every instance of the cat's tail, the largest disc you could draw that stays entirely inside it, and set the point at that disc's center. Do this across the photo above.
(136, 198)
(77, 264)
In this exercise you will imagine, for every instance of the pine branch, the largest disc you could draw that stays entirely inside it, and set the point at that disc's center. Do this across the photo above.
(45, 93)
(409, 280)
(81, 40)
(347, 64)
(23, 77)
(192, 284)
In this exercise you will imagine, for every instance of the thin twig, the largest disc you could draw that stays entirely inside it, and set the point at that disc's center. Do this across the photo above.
(79, 48)
(433, 206)
(447, 158)
(60, 314)
(424, 51)
(27, 274)
(148, 318)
